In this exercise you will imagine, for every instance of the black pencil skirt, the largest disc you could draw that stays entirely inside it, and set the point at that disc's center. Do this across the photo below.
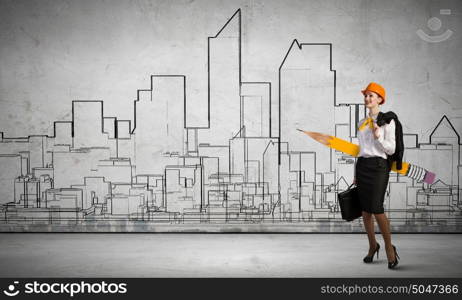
(372, 174)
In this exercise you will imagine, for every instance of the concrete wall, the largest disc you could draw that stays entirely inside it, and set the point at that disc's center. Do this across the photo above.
(208, 148)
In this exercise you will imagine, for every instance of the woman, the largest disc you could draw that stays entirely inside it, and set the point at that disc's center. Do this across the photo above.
(372, 172)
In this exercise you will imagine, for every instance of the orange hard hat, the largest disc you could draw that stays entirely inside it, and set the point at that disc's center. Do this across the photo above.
(376, 88)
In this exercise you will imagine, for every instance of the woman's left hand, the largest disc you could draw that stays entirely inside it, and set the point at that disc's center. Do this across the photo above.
(376, 131)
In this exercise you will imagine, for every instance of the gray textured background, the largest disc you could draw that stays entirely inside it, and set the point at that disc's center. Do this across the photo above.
(52, 52)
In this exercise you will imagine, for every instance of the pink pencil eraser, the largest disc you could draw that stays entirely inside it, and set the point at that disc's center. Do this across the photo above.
(429, 177)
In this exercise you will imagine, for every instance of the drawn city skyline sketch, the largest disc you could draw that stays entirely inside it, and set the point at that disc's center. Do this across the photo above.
(156, 173)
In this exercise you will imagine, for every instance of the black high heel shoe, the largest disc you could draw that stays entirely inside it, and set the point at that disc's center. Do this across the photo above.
(393, 264)
(369, 259)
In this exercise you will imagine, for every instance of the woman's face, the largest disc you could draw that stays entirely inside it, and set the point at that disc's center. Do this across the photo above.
(371, 99)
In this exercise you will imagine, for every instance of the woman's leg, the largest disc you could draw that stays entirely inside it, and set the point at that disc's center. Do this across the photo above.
(384, 226)
(368, 221)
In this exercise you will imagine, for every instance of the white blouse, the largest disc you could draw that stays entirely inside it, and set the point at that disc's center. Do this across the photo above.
(369, 146)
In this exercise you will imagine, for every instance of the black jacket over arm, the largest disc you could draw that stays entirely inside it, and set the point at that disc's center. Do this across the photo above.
(383, 118)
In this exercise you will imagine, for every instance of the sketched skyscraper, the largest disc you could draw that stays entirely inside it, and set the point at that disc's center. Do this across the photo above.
(159, 124)
(224, 76)
(307, 99)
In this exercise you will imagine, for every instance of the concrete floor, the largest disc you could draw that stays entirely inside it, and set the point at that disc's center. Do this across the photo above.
(223, 255)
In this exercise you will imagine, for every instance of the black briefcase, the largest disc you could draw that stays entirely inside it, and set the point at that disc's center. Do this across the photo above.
(349, 204)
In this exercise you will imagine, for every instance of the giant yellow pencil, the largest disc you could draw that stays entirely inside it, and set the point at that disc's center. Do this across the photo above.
(407, 169)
